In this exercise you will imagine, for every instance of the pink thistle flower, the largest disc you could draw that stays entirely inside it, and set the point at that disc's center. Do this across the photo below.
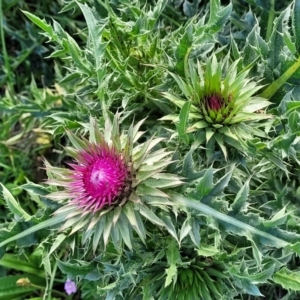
(99, 179)
(106, 189)
(214, 102)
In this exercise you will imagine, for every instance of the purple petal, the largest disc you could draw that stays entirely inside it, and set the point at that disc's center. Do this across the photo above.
(70, 287)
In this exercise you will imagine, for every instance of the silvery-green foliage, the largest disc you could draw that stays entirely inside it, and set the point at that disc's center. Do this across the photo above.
(208, 94)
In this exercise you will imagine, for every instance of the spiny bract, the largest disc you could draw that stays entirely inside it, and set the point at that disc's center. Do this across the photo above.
(219, 104)
(112, 184)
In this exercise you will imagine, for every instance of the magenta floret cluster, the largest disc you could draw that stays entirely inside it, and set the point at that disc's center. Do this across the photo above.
(99, 177)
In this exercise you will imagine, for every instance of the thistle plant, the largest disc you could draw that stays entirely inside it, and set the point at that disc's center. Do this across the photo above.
(218, 104)
(127, 206)
(112, 184)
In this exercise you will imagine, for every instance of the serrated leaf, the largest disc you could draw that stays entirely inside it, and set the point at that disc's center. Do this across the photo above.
(13, 205)
(213, 10)
(278, 219)
(185, 229)
(171, 274)
(173, 254)
(244, 228)
(296, 23)
(234, 49)
(207, 250)
(276, 42)
(255, 46)
(276, 161)
(285, 142)
(35, 189)
(195, 232)
(218, 17)
(240, 200)
(188, 167)
(57, 242)
(221, 183)
(76, 269)
(205, 184)
(277, 84)
(185, 43)
(183, 121)
(294, 247)
(95, 31)
(289, 280)
(77, 56)
(263, 276)
(289, 42)
(39, 22)
(256, 254)
(251, 289)
(169, 226)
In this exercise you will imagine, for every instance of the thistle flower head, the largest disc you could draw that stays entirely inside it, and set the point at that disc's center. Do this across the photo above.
(222, 109)
(111, 183)
(214, 102)
(100, 178)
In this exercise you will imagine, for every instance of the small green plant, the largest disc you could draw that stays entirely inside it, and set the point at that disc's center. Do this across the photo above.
(221, 103)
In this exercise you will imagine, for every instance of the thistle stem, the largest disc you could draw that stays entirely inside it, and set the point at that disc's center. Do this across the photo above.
(120, 69)
(54, 270)
(246, 228)
(186, 61)
(270, 20)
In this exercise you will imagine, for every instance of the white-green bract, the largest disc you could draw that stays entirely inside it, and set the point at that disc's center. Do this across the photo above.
(113, 182)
